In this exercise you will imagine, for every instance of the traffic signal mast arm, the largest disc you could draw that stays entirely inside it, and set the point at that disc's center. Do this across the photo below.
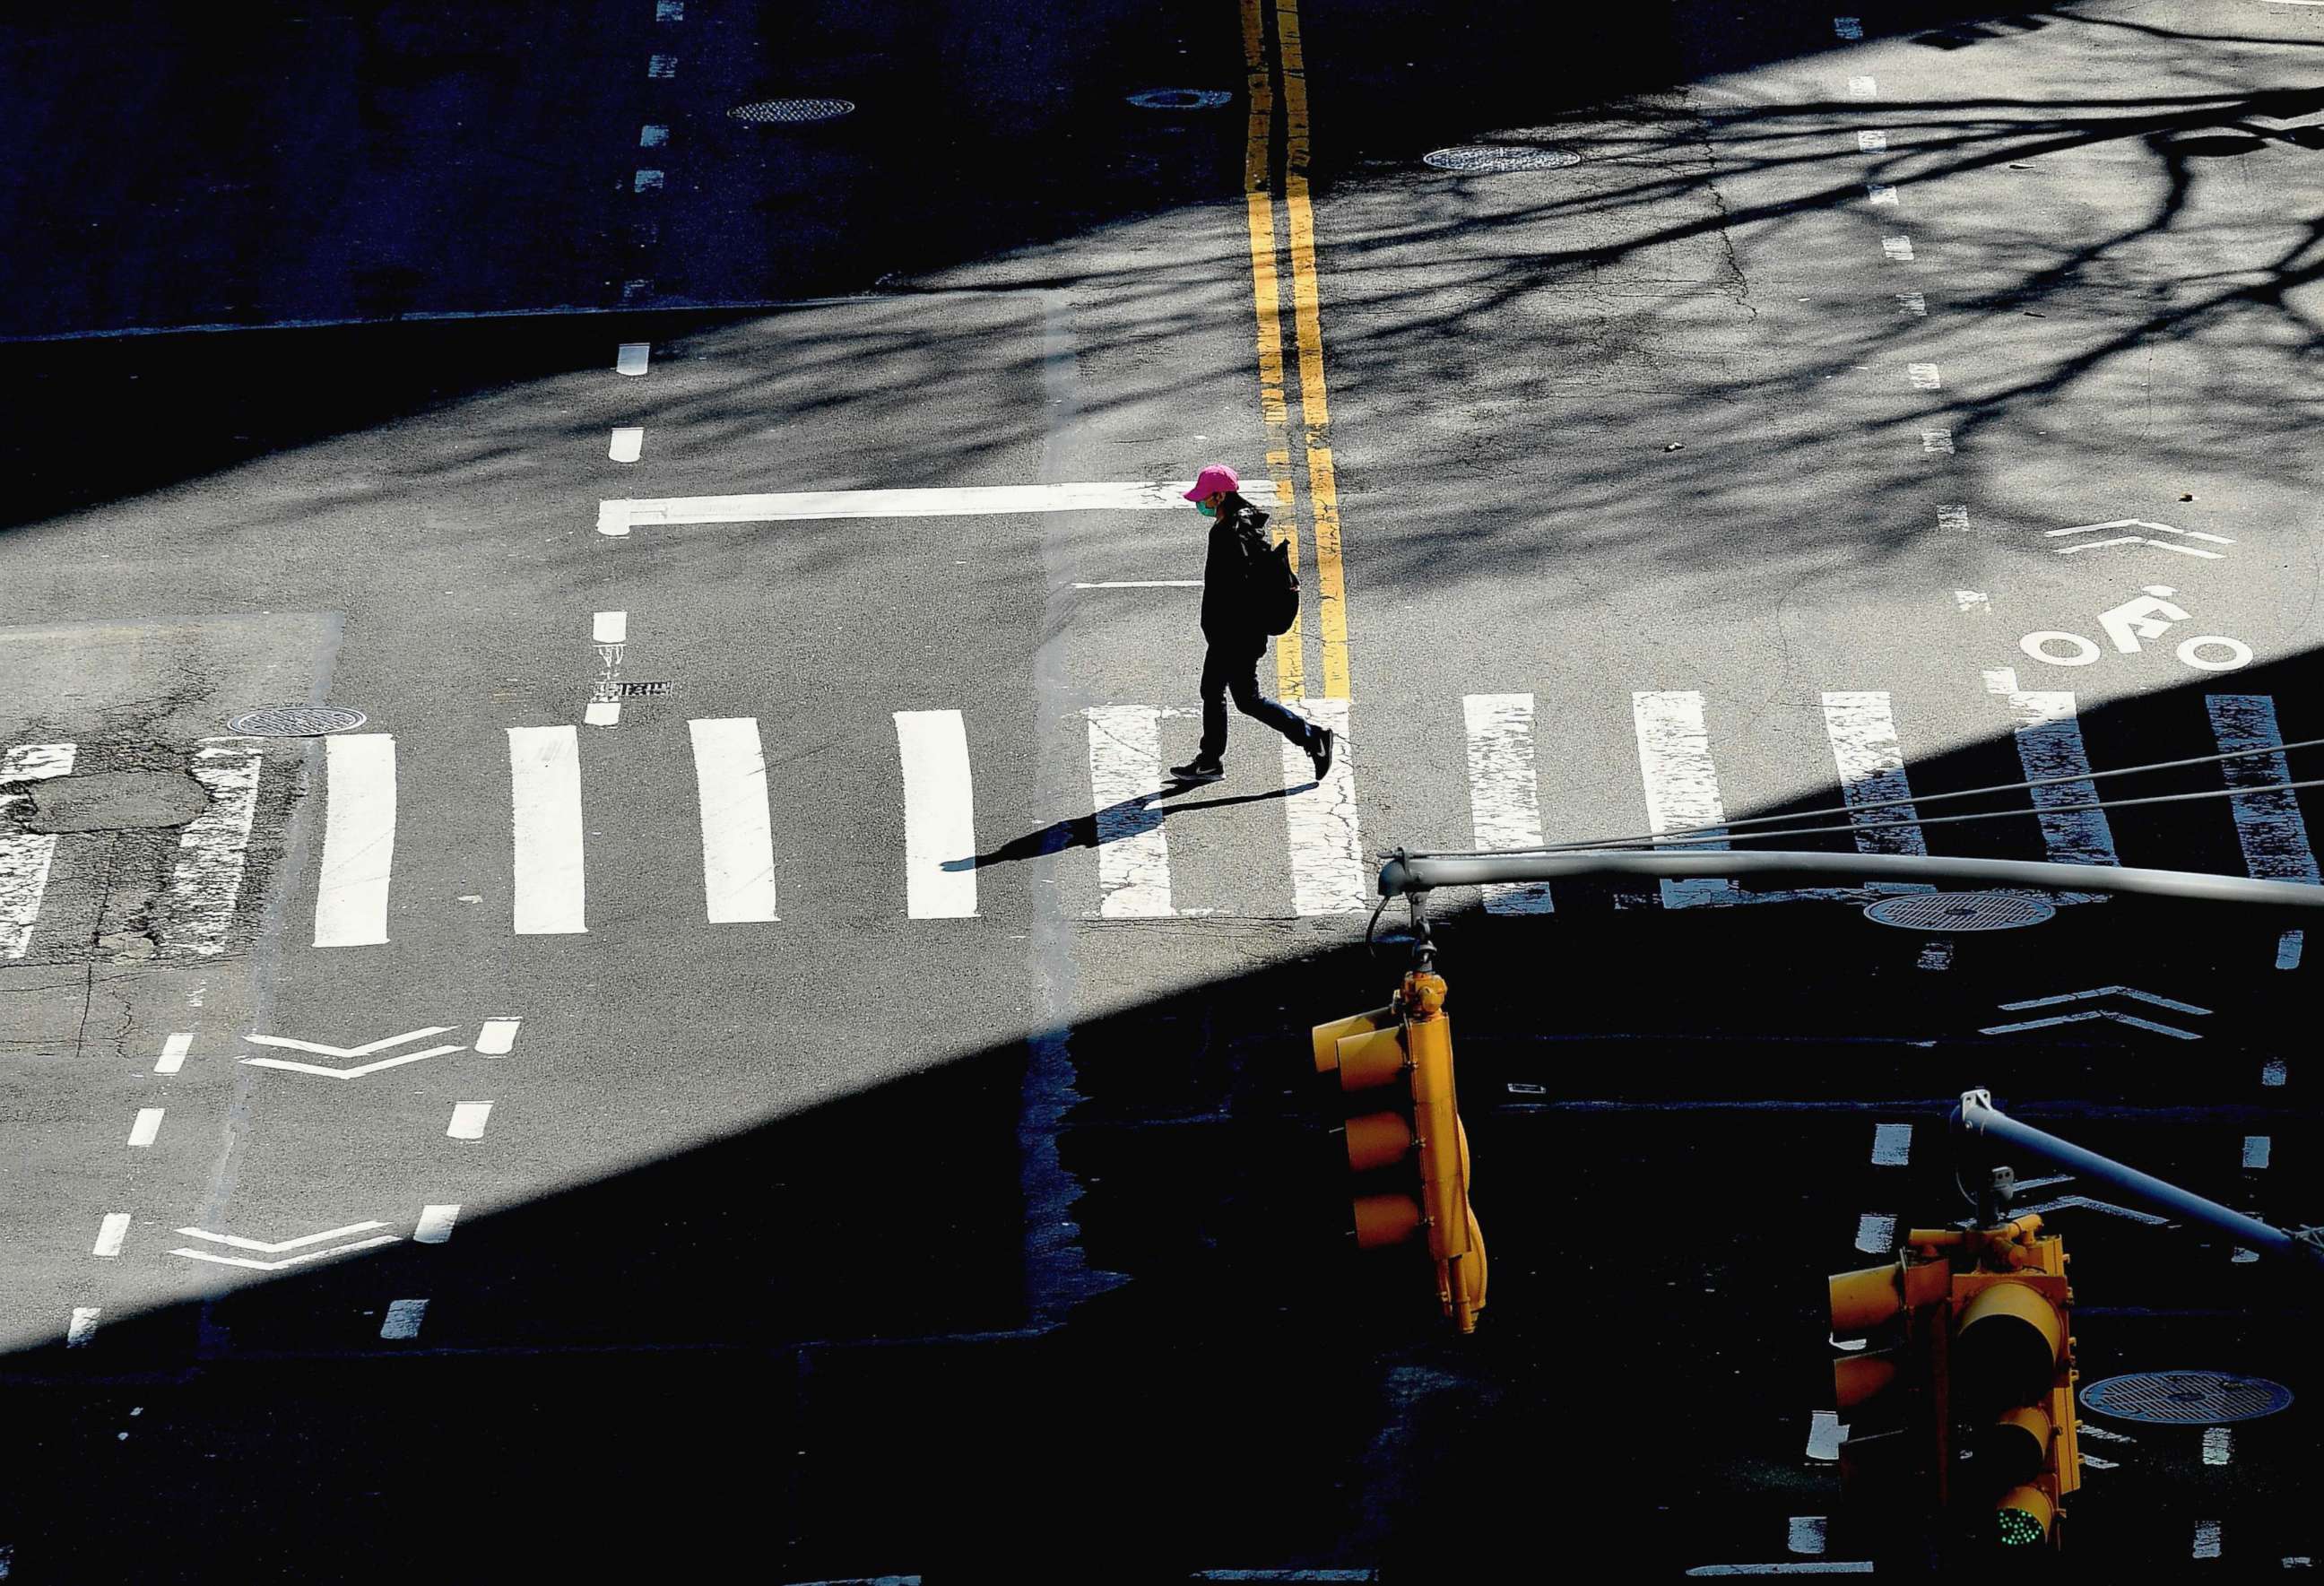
(1421, 873)
(1976, 1115)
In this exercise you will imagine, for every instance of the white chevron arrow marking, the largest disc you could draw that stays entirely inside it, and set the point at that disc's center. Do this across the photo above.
(240, 1243)
(2097, 991)
(2116, 1014)
(321, 1049)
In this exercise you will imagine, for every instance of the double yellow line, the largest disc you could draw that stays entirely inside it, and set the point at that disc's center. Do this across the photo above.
(1298, 220)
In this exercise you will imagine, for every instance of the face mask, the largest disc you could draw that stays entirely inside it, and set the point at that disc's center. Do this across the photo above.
(1206, 509)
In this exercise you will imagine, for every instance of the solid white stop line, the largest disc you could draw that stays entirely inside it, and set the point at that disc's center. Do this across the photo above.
(966, 501)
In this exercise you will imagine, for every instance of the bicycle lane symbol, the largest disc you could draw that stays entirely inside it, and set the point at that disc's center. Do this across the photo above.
(2150, 615)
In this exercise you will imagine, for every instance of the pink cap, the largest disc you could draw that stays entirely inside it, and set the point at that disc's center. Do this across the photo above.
(1218, 477)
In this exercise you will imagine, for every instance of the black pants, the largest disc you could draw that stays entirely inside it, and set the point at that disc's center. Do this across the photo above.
(1234, 669)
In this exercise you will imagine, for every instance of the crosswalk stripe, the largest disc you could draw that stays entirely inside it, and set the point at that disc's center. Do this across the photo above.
(359, 841)
(2050, 744)
(738, 843)
(939, 814)
(1133, 856)
(207, 882)
(1328, 874)
(2268, 825)
(1871, 764)
(24, 856)
(1504, 798)
(545, 812)
(1682, 785)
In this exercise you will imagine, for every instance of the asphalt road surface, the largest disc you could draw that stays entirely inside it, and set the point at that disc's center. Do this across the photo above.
(737, 1061)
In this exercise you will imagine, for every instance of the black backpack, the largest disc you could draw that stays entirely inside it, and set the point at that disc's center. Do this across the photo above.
(1270, 586)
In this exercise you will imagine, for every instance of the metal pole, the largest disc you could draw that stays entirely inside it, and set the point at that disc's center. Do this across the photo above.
(1977, 1115)
(1419, 873)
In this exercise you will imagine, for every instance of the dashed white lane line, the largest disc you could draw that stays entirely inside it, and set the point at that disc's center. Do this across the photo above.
(1805, 1534)
(1899, 248)
(2273, 1073)
(82, 1331)
(650, 181)
(2216, 1445)
(1875, 1233)
(2206, 1539)
(174, 1051)
(1847, 27)
(661, 66)
(1892, 1145)
(650, 136)
(1938, 441)
(1915, 304)
(965, 501)
(1328, 873)
(1504, 795)
(436, 1224)
(632, 359)
(147, 1127)
(358, 840)
(1924, 376)
(497, 1036)
(1872, 142)
(939, 814)
(627, 445)
(669, 10)
(1680, 786)
(24, 856)
(1953, 518)
(1973, 602)
(2001, 680)
(1133, 854)
(207, 881)
(609, 632)
(402, 1319)
(2287, 949)
(1879, 192)
(468, 1120)
(738, 843)
(2257, 1149)
(1863, 88)
(1824, 1434)
(110, 1232)
(610, 628)
(545, 807)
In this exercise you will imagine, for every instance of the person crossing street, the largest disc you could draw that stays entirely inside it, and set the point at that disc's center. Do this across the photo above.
(1243, 577)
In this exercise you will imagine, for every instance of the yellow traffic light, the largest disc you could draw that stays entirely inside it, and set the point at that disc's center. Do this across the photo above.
(2014, 1384)
(1894, 1461)
(1410, 1043)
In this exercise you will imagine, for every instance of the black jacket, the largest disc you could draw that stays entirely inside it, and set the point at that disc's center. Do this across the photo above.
(1227, 616)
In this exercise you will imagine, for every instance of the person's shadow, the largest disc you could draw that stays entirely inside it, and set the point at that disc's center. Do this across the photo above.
(1115, 822)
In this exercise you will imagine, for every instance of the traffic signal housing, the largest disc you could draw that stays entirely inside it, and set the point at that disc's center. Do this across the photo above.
(2013, 1380)
(1412, 1155)
(1896, 1458)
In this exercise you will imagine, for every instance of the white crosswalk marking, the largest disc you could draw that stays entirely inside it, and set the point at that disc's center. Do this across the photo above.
(1328, 874)
(939, 814)
(2050, 744)
(24, 856)
(2269, 825)
(1863, 747)
(359, 841)
(1504, 798)
(738, 843)
(1133, 856)
(545, 812)
(1682, 786)
(207, 882)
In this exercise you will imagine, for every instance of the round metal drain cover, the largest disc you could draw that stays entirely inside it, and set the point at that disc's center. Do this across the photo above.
(1181, 98)
(2185, 1398)
(295, 721)
(790, 111)
(1491, 159)
(1959, 911)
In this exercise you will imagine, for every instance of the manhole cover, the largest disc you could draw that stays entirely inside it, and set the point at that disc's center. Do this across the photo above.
(1489, 159)
(2185, 1398)
(1959, 911)
(790, 111)
(294, 720)
(1181, 98)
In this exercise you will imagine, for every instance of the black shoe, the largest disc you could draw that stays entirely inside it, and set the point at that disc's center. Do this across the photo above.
(1319, 751)
(1197, 770)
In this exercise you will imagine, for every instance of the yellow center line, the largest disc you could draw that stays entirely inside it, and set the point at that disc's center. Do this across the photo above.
(1315, 403)
(1290, 662)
